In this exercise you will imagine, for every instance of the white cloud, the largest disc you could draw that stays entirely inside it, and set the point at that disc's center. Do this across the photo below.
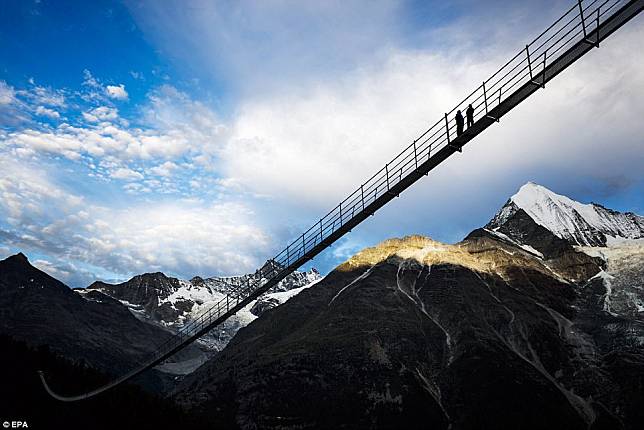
(90, 81)
(174, 112)
(317, 146)
(182, 237)
(101, 113)
(217, 238)
(46, 96)
(12, 110)
(7, 93)
(346, 248)
(18, 106)
(55, 270)
(301, 40)
(28, 195)
(117, 145)
(126, 174)
(166, 169)
(95, 91)
(49, 113)
(116, 92)
(176, 126)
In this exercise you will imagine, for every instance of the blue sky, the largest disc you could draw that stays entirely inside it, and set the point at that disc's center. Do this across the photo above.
(199, 137)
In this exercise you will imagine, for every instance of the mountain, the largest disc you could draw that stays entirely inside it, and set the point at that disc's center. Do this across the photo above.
(516, 326)
(579, 224)
(95, 330)
(171, 303)
(557, 227)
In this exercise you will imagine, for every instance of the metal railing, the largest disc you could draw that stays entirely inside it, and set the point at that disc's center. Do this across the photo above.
(528, 65)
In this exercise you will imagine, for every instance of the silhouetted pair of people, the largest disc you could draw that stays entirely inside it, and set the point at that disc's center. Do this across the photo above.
(460, 121)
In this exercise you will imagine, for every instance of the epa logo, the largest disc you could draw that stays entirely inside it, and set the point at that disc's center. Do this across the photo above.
(15, 425)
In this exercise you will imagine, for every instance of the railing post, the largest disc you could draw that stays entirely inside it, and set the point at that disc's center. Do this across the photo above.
(447, 128)
(597, 29)
(340, 214)
(415, 155)
(543, 81)
(387, 172)
(321, 234)
(303, 245)
(527, 52)
(288, 255)
(583, 22)
(362, 195)
(487, 114)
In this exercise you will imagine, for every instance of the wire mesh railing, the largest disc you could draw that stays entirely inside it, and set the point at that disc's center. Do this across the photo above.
(528, 65)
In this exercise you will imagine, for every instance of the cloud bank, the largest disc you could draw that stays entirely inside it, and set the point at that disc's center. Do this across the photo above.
(92, 186)
(177, 236)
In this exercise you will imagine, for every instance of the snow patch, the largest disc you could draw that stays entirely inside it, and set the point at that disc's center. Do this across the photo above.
(505, 237)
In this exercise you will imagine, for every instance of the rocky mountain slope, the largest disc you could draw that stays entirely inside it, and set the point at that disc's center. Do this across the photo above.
(514, 327)
(111, 327)
(622, 278)
(97, 330)
(170, 303)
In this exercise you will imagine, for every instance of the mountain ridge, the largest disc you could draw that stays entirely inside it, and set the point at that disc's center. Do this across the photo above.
(97, 330)
(171, 302)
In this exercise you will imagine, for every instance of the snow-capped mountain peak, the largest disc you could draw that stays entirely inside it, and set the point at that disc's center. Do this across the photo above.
(581, 224)
(172, 302)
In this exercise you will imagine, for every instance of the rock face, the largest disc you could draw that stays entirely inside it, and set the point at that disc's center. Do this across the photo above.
(622, 278)
(146, 292)
(522, 231)
(40, 310)
(507, 329)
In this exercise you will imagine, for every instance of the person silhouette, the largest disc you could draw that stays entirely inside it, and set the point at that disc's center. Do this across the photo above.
(459, 123)
(470, 116)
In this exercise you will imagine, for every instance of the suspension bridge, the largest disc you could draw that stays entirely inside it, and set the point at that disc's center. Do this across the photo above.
(580, 29)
